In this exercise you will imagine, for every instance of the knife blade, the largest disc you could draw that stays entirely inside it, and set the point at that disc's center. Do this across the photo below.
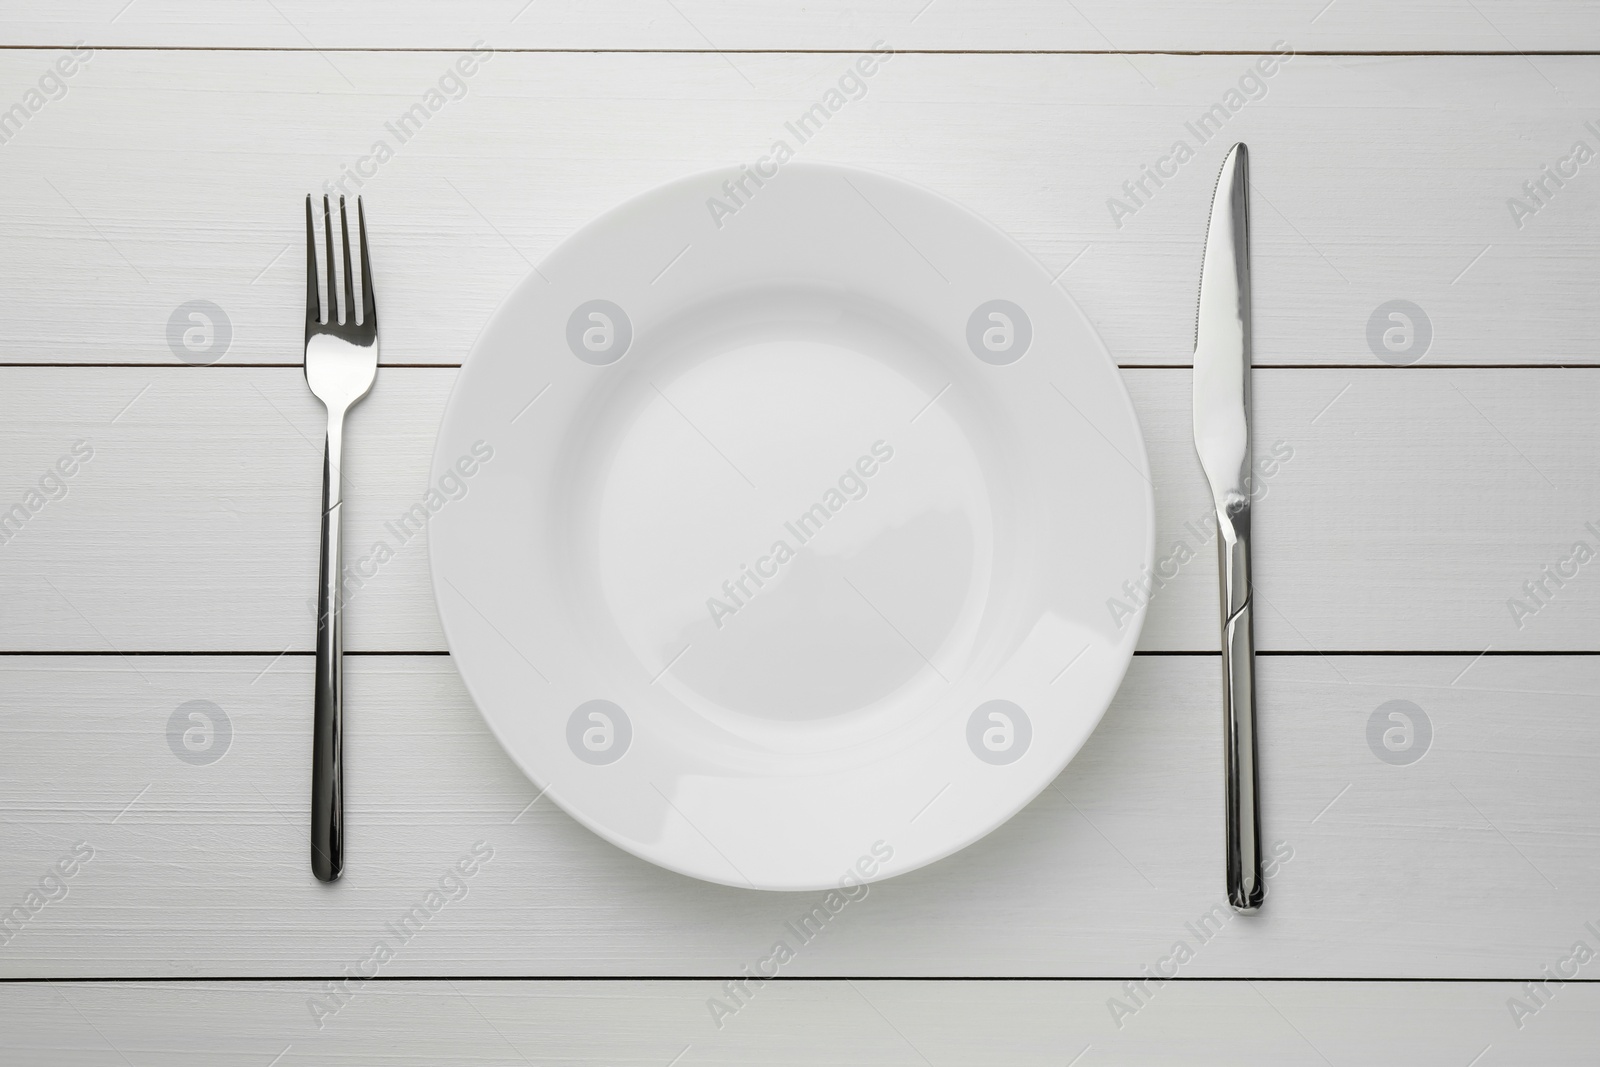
(1222, 359)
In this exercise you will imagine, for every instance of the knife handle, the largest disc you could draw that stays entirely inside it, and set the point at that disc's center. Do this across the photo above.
(1246, 887)
(327, 736)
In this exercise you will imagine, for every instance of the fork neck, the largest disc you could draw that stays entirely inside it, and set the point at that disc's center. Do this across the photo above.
(333, 459)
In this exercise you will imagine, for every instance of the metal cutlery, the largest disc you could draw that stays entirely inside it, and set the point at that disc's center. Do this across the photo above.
(341, 363)
(1222, 439)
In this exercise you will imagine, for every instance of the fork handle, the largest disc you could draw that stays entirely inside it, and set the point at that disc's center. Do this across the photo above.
(327, 756)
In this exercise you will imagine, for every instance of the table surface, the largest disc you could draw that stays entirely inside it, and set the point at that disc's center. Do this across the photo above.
(1421, 543)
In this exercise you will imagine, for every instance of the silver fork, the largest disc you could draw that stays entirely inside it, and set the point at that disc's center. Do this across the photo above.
(341, 363)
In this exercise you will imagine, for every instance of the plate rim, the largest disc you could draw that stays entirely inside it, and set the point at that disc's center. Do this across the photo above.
(642, 200)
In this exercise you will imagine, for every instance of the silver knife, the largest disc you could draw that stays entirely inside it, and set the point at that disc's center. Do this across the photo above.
(1222, 438)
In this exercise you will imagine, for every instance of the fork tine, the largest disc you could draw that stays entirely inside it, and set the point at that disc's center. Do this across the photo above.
(313, 304)
(349, 270)
(369, 307)
(333, 289)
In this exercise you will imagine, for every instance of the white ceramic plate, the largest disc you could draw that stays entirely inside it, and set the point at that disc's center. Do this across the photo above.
(778, 536)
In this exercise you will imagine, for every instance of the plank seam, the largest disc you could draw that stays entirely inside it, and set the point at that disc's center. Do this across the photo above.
(133, 365)
(186, 980)
(1170, 652)
(1181, 53)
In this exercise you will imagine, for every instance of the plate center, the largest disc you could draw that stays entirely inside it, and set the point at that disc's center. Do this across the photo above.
(792, 524)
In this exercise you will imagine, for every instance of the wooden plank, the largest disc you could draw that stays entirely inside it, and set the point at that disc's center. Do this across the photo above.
(1151, 25)
(1480, 860)
(1411, 510)
(867, 1023)
(163, 177)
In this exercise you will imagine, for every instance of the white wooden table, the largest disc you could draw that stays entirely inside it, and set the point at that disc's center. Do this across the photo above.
(177, 563)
